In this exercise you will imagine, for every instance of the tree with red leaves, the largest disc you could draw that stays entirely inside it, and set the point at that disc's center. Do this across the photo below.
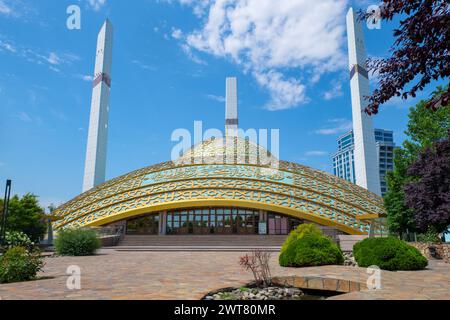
(428, 195)
(420, 52)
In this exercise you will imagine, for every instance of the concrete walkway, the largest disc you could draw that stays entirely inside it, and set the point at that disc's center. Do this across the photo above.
(190, 275)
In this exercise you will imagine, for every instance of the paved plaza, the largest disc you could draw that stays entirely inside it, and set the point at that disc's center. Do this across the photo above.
(190, 275)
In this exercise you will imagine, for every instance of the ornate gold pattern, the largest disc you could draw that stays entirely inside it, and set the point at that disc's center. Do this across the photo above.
(293, 189)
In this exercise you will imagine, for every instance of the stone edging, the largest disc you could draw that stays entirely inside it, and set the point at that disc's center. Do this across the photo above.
(442, 250)
(318, 283)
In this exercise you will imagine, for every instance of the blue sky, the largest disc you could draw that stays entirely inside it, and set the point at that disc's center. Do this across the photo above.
(170, 60)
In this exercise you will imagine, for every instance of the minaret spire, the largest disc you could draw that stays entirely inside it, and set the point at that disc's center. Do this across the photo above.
(95, 167)
(365, 156)
(231, 112)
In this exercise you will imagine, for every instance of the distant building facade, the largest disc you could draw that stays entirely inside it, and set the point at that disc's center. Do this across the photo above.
(344, 162)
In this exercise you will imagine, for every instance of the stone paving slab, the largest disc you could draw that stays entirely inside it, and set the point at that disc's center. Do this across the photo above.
(190, 275)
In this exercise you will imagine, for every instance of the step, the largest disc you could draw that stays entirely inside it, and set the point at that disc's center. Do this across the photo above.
(196, 248)
(202, 240)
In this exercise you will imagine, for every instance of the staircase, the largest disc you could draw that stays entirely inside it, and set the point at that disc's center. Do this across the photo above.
(230, 243)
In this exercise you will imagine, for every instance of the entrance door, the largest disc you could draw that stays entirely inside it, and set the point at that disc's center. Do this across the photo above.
(278, 225)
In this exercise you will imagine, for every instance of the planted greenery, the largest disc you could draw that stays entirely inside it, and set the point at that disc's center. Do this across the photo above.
(431, 236)
(18, 239)
(388, 254)
(77, 242)
(307, 246)
(26, 215)
(18, 264)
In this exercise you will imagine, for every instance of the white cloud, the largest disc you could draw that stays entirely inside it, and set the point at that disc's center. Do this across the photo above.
(316, 153)
(17, 8)
(56, 59)
(334, 92)
(335, 126)
(284, 93)
(53, 58)
(85, 77)
(143, 65)
(7, 46)
(199, 7)
(23, 116)
(216, 98)
(5, 8)
(96, 5)
(177, 33)
(188, 51)
(54, 69)
(266, 38)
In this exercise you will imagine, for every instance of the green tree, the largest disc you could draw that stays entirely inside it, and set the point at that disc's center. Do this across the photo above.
(425, 127)
(400, 218)
(25, 215)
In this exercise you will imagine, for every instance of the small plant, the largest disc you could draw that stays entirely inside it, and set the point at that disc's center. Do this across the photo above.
(18, 239)
(17, 264)
(227, 296)
(258, 263)
(77, 242)
(388, 254)
(431, 236)
(307, 246)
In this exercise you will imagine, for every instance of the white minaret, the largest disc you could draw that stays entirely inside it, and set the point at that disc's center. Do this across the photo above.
(366, 160)
(231, 112)
(94, 171)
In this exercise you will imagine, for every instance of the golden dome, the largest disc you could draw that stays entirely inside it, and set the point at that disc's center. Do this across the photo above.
(228, 150)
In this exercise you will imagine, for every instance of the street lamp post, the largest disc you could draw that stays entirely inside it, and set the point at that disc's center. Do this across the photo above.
(5, 211)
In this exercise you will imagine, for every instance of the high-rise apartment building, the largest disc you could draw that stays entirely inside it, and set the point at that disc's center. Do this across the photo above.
(344, 162)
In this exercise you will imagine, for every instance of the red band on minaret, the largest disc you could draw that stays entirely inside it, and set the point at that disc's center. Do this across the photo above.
(102, 77)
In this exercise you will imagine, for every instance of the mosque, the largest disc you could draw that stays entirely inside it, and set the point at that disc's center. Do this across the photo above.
(227, 185)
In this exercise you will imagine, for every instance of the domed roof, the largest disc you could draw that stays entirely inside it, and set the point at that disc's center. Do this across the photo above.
(230, 150)
(207, 176)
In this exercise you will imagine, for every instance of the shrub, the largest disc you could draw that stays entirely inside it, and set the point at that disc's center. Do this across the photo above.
(388, 254)
(259, 264)
(431, 236)
(76, 242)
(307, 246)
(301, 230)
(18, 239)
(17, 264)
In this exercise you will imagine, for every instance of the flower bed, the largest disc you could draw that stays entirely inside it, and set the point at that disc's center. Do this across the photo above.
(252, 292)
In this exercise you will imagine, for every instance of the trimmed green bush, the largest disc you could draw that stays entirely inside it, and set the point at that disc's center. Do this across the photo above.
(17, 264)
(76, 242)
(307, 246)
(388, 254)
